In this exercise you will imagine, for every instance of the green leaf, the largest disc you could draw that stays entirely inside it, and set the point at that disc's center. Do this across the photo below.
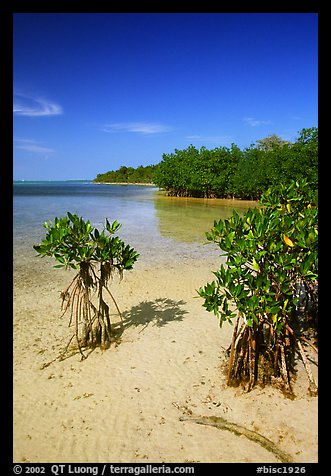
(255, 265)
(72, 217)
(249, 322)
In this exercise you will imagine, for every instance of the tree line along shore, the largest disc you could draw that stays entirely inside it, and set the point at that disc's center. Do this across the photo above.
(228, 172)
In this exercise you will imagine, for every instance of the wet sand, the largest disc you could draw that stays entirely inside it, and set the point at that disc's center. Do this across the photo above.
(124, 405)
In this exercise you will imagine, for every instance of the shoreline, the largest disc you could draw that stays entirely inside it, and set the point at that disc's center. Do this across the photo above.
(228, 201)
(147, 184)
(167, 365)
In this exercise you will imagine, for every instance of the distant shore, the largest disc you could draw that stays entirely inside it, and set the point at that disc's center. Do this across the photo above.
(145, 184)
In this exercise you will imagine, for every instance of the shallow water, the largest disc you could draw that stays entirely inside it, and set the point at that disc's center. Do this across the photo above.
(188, 219)
(160, 228)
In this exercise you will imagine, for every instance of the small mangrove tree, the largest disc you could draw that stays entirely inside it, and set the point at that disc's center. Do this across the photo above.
(97, 257)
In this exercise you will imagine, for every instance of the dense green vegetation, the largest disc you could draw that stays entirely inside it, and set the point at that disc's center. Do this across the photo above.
(128, 175)
(229, 172)
(268, 285)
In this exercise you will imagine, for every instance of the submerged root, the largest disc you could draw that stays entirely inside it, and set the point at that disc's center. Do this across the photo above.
(239, 430)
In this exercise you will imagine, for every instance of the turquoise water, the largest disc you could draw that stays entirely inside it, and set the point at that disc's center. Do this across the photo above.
(37, 202)
(159, 227)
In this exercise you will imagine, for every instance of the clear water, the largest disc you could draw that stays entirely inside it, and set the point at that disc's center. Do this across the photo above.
(160, 228)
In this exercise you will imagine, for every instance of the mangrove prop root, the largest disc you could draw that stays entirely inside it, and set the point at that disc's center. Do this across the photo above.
(239, 430)
(313, 388)
(234, 336)
(312, 384)
(303, 339)
(258, 355)
(284, 371)
(92, 324)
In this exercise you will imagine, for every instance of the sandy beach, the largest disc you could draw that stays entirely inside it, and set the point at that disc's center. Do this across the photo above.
(125, 404)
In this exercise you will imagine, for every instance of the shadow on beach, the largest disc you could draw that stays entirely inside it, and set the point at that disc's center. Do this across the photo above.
(159, 312)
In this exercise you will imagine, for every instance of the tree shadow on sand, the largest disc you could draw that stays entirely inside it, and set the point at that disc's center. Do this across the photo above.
(158, 312)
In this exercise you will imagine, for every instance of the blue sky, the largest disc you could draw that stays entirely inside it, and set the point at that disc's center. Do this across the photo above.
(94, 91)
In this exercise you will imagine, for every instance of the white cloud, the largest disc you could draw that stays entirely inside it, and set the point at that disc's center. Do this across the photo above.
(251, 121)
(29, 145)
(30, 106)
(138, 127)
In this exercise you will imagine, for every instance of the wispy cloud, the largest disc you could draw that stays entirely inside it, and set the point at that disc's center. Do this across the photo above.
(251, 121)
(137, 127)
(30, 145)
(34, 106)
